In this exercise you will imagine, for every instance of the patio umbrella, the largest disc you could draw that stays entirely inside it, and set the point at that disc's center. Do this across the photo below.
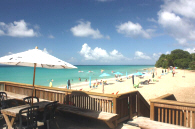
(35, 58)
(104, 75)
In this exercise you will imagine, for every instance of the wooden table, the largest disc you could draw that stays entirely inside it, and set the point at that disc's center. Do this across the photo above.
(14, 112)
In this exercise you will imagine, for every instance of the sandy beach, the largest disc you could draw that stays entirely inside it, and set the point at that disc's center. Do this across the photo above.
(182, 85)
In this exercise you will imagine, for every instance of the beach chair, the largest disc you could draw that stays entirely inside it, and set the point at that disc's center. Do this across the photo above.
(94, 85)
(97, 85)
(136, 86)
(159, 77)
(117, 92)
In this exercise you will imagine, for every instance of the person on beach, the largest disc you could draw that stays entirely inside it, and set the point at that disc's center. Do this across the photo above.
(133, 79)
(50, 84)
(79, 79)
(173, 72)
(165, 71)
(68, 84)
(86, 80)
(162, 71)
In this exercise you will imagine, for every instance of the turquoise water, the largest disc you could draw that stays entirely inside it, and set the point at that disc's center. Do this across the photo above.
(60, 76)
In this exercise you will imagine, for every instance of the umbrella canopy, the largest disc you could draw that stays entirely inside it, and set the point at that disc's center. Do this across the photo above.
(104, 75)
(35, 58)
(118, 73)
(138, 73)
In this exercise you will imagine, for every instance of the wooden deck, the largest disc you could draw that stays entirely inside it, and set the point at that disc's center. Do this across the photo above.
(146, 123)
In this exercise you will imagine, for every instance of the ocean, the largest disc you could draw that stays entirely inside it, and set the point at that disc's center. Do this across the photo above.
(60, 76)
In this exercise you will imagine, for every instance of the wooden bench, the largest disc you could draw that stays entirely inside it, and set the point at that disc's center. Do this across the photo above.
(109, 118)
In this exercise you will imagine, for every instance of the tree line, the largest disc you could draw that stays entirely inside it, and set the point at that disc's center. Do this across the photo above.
(177, 58)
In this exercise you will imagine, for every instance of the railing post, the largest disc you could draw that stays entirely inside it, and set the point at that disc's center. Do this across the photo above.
(138, 104)
(130, 107)
(2, 86)
(151, 111)
(114, 105)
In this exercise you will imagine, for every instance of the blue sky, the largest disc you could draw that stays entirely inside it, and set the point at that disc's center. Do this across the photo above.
(98, 32)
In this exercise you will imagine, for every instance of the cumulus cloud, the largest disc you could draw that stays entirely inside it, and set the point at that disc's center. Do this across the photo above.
(141, 55)
(177, 17)
(190, 50)
(101, 54)
(133, 30)
(84, 29)
(17, 29)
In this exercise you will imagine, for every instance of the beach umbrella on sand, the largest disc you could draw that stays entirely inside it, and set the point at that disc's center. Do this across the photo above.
(118, 73)
(35, 58)
(138, 73)
(104, 75)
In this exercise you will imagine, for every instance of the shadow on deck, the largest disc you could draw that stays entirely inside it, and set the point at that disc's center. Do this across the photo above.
(71, 121)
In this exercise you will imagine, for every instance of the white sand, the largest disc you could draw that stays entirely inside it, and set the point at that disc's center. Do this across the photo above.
(182, 88)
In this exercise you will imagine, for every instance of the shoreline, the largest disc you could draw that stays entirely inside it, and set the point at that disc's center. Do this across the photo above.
(83, 85)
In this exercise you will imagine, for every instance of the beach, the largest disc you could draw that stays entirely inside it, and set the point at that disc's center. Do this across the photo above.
(182, 85)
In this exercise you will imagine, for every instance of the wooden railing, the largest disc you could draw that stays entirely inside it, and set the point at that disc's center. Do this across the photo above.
(126, 105)
(167, 109)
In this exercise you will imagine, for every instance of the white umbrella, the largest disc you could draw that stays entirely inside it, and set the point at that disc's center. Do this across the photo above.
(35, 58)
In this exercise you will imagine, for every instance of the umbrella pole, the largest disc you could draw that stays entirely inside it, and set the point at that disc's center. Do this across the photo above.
(33, 82)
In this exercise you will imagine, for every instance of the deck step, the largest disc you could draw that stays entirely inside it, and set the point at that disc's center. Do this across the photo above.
(146, 123)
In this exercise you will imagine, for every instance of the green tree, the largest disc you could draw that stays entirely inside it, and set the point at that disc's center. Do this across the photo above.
(192, 65)
(178, 58)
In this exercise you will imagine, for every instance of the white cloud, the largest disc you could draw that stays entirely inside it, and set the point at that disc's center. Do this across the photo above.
(51, 36)
(100, 54)
(185, 8)
(132, 30)
(84, 29)
(177, 17)
(17, 29)
(141, 55)
(156, 55)
(190, 50)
